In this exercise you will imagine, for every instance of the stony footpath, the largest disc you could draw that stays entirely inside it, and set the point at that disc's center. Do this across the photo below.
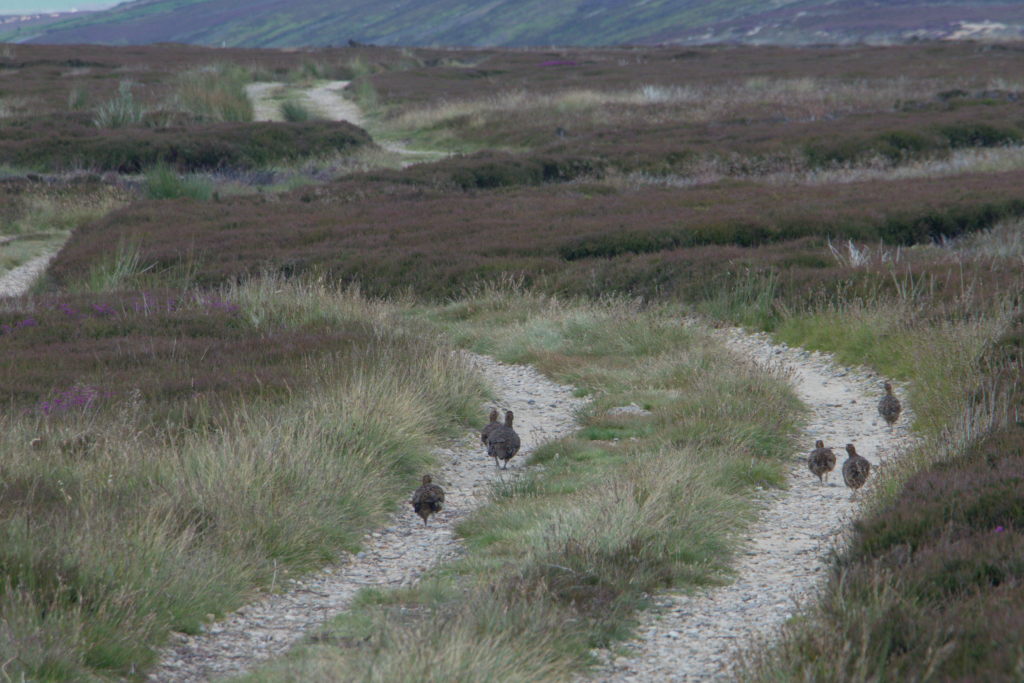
(328, 100)
(396, 555)
(17, 281)
(324, 99)
(783, 557)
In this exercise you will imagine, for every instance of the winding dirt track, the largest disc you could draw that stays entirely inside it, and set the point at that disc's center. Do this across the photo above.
(698, 637)
(327, 100)
(687, 637)
(394, 556)
(324, 99)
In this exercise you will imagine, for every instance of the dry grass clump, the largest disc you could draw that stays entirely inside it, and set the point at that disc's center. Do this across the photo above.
(1003, 241)
(121, 111)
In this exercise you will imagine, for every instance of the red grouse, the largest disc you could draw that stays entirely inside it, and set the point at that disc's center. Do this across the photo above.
(856, 469)
(821, 461)
(503, 442)
(427, 499)
(889, 407)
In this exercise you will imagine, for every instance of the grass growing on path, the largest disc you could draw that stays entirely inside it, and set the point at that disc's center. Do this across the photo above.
(38, 220)
(191, 452)
(563, 556)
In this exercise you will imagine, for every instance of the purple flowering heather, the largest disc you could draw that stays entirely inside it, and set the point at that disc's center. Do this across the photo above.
(77, 397)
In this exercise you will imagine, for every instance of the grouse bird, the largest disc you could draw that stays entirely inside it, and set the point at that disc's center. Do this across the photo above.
(427, 499)
(856, 469)
(821, 461)
(503, 442)
(490, 426)
(889, 407)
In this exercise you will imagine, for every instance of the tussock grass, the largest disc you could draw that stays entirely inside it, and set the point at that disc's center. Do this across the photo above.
(121, 525)
(561, 557)
(78, 98)
(116, 271)
(214, 93)
(121, 111)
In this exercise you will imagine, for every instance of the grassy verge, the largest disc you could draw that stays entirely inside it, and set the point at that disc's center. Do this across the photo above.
(561, 558)
(183, 452)
(37, 221)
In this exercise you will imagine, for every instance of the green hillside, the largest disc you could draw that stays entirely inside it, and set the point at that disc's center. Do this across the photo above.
(290, 23)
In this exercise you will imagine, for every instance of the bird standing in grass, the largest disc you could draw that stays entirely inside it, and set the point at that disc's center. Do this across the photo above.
(821, 461)
(889, 407)
(503, 442)
(856, 469)
(427, 499)
(490, 426)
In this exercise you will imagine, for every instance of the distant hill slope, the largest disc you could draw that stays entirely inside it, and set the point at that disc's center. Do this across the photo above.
(292, 23)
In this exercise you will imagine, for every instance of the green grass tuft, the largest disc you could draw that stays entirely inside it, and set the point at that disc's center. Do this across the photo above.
(121, 111)
(163, 182)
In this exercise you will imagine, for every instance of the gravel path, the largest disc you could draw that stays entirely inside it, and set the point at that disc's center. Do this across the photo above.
(264, 107)
(17, 281)
(325, 99)
(329, 101)
(697, 637)
(393, 556)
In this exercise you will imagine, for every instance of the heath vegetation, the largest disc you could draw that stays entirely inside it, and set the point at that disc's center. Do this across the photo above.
(561, 558)
(190, 320)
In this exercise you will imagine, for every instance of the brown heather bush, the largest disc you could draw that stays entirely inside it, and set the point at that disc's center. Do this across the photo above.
(390, 236)
(177, 351)
(65, 143)
(931, 587)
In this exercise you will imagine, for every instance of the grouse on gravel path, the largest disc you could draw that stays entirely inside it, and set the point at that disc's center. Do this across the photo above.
(821, 461)
(889, 407)
(427, 499)
(490, 426)
(856, 469)
(503, 442)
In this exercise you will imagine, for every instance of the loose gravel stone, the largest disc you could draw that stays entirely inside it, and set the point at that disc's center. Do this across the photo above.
(698, 637)
(393, 556)
(17, 281)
